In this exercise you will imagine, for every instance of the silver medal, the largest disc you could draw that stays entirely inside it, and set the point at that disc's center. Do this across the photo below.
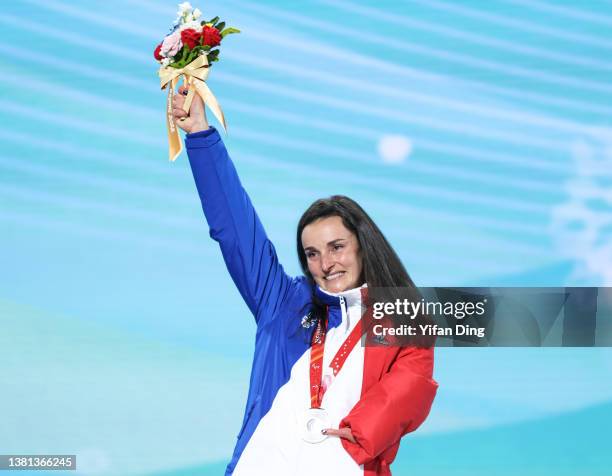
(313, 421)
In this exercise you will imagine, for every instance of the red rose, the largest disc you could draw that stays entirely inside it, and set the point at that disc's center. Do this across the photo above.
(190, 38)
(211, 36)
(157, 53)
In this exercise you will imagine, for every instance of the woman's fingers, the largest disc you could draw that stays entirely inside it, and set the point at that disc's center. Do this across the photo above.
(179, 115)
(179, 99)
(342, 433)
(179, 112)
(195, 119)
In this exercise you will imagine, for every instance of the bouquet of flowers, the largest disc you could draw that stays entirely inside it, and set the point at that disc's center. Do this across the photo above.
(187, 52)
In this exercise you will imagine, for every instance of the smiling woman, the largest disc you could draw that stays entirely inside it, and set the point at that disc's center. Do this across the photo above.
(333, 254)
(318, 402)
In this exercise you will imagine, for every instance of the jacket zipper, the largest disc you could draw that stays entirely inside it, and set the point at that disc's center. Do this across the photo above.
(343, 308)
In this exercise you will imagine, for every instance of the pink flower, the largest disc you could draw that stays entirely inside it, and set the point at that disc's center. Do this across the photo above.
(171, 45)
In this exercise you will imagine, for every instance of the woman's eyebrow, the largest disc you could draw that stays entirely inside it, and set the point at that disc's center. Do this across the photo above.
(331, 243)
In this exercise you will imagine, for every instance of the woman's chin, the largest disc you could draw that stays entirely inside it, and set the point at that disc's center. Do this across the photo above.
(336, 287)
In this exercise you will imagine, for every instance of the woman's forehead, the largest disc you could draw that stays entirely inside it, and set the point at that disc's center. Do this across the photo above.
(324, 231)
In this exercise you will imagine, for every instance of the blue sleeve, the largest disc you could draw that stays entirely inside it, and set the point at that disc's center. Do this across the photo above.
(248, 253)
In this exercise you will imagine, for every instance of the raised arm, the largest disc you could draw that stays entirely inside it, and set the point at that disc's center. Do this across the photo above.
(248, 253)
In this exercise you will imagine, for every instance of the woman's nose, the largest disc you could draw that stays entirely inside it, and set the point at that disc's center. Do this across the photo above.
(327, 262)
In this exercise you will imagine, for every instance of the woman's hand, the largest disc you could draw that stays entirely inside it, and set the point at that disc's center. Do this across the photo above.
(195, 121)
(342, 433)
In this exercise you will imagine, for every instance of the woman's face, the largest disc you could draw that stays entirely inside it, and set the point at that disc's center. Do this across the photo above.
(333, 255)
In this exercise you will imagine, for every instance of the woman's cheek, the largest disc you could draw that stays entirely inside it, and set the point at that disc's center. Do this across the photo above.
(312, 267)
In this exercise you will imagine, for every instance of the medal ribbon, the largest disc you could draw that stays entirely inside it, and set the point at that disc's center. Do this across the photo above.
(317, 390)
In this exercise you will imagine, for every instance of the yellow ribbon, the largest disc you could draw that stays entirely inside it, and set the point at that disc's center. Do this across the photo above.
(194, 74)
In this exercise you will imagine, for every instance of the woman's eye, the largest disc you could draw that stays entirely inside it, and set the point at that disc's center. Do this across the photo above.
(310, 254)
(338, 247)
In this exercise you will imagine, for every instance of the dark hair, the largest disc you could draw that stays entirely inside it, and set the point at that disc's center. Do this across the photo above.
(381, 267)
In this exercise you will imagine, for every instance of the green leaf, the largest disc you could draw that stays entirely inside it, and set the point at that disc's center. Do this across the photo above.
(220, 26)
(213, 56)
(179, 58)
(213, 21)
(185, 55)
(193, 55)
(229, 31)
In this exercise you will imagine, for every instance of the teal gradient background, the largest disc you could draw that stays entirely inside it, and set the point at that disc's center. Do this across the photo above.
(123, 339)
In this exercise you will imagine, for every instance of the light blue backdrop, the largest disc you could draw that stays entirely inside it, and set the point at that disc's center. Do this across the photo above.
(477, 134)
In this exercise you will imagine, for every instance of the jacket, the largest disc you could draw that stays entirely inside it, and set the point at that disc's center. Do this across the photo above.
(397, 389)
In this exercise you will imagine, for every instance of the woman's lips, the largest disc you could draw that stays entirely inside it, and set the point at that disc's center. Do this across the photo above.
(333, 276)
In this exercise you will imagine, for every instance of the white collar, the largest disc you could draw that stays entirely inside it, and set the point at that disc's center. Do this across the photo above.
(351, 296)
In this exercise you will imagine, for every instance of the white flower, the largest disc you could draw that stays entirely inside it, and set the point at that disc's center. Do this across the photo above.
(165, 62)
(197, 14)
(184, 8)
(192, 24)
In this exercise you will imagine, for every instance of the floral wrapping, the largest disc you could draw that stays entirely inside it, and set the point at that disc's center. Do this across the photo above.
(187, 52)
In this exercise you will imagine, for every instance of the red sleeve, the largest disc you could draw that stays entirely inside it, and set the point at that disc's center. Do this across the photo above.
(394, 406)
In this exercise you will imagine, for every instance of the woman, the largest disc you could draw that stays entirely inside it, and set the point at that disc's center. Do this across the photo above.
(318, 402)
